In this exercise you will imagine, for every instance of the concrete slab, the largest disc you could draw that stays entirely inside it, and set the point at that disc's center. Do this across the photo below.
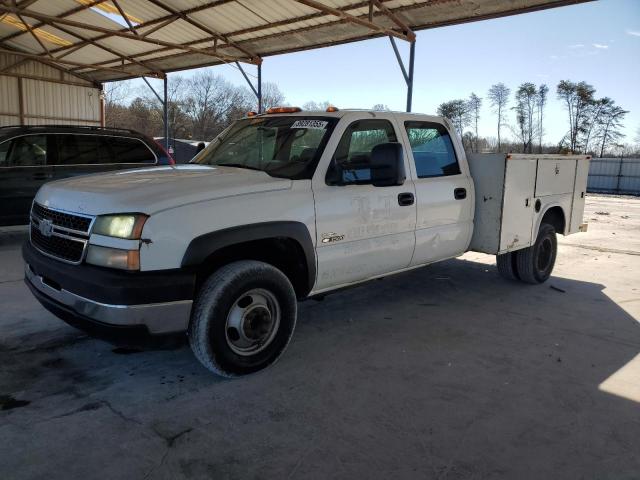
(444, 372)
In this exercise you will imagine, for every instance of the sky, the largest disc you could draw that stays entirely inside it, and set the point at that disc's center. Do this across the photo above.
(597, 42)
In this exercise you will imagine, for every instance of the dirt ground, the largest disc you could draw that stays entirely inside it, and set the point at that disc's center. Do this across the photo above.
(448, 372)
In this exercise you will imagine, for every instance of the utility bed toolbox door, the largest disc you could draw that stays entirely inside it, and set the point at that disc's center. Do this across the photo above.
(555, 176)
(517, 210)
(577, 209)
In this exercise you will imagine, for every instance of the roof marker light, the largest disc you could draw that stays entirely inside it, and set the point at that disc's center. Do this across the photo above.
(284, 110)
(331, 108)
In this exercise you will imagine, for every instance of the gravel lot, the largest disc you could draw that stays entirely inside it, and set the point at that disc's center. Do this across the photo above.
(447, 372)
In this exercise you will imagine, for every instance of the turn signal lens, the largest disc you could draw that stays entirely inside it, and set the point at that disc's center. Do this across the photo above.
(113, 257)
(284, 110)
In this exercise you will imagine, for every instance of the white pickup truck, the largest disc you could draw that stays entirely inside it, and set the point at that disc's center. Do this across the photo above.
(284, 206)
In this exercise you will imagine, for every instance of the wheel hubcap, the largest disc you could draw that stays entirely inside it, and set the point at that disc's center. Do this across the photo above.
(252, 322)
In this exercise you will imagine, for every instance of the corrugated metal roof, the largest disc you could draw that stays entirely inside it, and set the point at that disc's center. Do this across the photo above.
(117, 39)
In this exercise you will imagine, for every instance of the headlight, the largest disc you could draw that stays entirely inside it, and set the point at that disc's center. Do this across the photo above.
(113, 257)
(120, 226)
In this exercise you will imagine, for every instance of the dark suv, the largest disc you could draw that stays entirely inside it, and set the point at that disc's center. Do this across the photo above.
(33, 155)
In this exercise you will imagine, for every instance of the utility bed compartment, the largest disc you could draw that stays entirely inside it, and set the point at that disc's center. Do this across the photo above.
(514, 190)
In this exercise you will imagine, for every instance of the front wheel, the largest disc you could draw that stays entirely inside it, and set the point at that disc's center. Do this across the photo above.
(535, 264)
(243, 318)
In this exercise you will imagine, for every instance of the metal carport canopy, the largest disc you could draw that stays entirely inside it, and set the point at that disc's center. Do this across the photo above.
(159, 36)
(108, 40)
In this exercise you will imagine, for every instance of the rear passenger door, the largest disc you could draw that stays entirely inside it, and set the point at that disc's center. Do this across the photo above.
(23, 169)
(444, 193)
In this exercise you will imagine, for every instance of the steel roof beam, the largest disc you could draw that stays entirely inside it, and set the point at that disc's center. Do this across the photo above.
(38, 58)
(122, 56)
(116, 33)
(25, 4)
(249, 30)
(355, 20)
(204, 28)
(170, 18)
(167, 19)
(411, 36)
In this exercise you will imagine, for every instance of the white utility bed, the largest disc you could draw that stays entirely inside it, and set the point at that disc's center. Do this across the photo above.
(513, 191)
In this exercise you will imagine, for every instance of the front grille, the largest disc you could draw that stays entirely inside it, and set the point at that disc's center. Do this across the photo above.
(64, 248)
(79, 223)
(65, 238)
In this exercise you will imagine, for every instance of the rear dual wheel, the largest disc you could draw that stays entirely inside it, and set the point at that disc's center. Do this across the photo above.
(533, 264)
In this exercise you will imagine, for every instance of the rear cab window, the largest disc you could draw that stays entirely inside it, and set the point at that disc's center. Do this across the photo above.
(432, 149)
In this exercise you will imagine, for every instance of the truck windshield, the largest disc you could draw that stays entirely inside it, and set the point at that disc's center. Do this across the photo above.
(288, 147)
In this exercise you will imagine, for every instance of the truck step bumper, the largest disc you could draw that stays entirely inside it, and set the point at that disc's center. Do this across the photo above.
(156, 318)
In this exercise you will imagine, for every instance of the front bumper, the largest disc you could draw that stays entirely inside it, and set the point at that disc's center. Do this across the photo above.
(91, 297)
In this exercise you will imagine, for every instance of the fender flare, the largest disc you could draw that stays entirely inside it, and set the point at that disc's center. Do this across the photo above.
(202, 247)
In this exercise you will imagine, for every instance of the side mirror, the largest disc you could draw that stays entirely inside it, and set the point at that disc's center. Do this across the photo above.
(387, 165)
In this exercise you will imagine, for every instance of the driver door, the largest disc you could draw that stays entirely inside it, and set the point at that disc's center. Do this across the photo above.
(362, 231)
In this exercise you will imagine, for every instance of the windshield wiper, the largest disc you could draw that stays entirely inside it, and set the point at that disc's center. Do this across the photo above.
(238, 165)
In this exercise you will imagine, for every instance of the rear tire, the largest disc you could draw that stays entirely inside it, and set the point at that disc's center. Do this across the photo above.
(535, 264)
(243, 318)
(507, 266)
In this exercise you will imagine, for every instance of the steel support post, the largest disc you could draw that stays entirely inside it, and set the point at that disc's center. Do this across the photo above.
(412, 54)
(166, 117)
(408, 77)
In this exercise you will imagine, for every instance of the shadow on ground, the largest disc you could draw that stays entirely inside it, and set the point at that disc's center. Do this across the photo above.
(445, 372)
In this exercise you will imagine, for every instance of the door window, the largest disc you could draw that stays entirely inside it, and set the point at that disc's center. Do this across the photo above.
(27, 151)
(351, 164)
(78, 150)
(432, 149)
(128, 150)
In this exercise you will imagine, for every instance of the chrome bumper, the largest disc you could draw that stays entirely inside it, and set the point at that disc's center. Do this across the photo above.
(159, 318)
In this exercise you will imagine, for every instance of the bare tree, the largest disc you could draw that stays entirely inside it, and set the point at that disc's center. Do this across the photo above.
(593, 122)
(525, 111)
(499, 99)
(610, 126)
(473, 107)
(457, 111)
(272, 96)
(578, 97)
(317, 106)
(541, 102)
(210, 101)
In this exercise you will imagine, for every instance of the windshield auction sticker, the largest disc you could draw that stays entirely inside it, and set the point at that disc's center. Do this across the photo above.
(314, 124)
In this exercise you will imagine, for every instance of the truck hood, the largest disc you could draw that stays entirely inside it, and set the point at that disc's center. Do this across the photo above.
(150, 190)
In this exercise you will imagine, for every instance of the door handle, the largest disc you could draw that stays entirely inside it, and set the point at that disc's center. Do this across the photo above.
(460, 193)
(405, 199)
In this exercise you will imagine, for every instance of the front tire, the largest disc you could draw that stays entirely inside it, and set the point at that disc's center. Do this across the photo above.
(243, 318)
(535, 263)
